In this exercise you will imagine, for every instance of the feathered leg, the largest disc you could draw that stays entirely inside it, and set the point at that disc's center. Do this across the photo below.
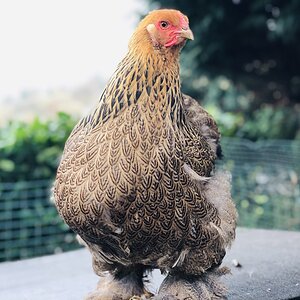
(202, 287)
(123, 284)
(117, 282)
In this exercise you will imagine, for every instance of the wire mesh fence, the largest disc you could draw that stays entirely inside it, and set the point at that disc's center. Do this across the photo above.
(265, 189)
(29, 223)
(265, 181)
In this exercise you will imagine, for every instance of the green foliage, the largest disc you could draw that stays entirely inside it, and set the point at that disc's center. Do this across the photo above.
(266, 197)
(245, 60)
(29, 222)
(31, 151)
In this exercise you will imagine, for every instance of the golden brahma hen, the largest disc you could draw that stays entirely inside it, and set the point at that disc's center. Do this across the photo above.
(137, 179)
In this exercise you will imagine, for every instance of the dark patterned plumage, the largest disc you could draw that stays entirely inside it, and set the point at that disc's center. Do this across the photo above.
(137, 180)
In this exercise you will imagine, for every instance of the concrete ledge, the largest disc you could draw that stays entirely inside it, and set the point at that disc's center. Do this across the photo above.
(270, 269)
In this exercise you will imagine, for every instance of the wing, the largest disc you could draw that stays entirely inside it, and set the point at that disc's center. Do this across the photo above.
(203, 122)
(198, 139)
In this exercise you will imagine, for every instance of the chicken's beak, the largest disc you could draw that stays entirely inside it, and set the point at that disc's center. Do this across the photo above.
(187, 34)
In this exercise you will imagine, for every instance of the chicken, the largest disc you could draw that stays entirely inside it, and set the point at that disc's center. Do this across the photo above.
(137, 180)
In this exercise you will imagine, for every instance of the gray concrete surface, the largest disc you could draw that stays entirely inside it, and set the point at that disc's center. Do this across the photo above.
(270, 270)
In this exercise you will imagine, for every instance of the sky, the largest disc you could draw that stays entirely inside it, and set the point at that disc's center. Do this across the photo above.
(62, 43)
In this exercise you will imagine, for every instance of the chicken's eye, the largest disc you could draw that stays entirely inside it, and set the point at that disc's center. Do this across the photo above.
(164, 24)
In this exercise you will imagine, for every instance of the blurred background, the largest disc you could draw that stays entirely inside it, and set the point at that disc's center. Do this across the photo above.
(56, 56)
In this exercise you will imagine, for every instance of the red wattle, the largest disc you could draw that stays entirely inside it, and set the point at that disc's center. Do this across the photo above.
(171, 42)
